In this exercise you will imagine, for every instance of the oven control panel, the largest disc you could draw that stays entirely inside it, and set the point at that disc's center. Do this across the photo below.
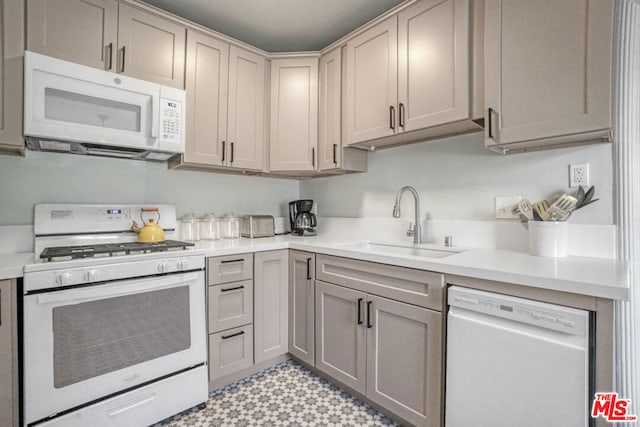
(105, 270)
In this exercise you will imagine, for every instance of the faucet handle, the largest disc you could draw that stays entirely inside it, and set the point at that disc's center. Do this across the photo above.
(410, 231)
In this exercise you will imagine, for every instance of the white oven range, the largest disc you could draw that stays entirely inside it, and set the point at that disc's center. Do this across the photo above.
(113, 330)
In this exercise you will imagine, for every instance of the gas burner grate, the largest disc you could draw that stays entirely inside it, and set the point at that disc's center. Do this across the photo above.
(64, 253)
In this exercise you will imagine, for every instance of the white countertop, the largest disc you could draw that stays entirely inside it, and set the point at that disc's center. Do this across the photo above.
(12, 265)
(598, 277)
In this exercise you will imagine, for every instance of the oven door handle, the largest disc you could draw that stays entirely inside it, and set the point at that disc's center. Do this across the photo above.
(122, 288)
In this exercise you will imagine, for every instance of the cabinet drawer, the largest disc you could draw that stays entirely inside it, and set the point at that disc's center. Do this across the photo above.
(230, 268)
(230, 305)
(408, 285)
(230, 351)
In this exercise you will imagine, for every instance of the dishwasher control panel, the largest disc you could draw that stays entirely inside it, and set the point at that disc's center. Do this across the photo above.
(562, 319)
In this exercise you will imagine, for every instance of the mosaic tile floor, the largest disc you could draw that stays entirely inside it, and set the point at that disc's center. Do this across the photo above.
(284, 395)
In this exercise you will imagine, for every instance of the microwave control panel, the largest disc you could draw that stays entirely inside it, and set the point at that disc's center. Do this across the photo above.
(170, 120)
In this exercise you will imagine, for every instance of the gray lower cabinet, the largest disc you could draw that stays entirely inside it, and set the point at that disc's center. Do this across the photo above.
(230, 351)
(302, 305)
(404, 359)
(271, 278)
(8, 355)
(230, 302)
(371, 341)
(341, 334)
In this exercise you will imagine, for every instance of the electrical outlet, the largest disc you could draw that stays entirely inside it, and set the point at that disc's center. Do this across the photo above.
(579, 175)
(505, 206)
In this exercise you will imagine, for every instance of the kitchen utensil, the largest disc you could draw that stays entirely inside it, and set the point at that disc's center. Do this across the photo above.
(540, 208)
(587, 197)
(190, 228)
(525, 210)
(257, 226)
(580, 195)
(150, 231)
(585, 204)
(561, 208)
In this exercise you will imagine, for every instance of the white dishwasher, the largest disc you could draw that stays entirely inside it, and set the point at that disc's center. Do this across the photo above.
(515, 362)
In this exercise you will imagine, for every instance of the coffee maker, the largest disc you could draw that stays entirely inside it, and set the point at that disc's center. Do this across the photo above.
(301, 219)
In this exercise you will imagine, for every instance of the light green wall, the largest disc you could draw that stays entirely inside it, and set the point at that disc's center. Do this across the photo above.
(457, 179)
(62, 178)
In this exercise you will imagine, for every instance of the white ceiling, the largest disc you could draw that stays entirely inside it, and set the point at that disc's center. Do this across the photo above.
(280, 25)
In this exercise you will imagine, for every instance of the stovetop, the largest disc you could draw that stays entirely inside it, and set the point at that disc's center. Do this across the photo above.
(66, 253)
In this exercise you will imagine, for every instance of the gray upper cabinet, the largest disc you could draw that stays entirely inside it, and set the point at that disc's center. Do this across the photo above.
(329, 123)
(433, 64)
(226, 104)
(8, 354)
(150, 47)
(11, 76)
(246, 109)
(80, 31)
(548, 73)
(206, 86)
(409, 77)
(109, 35)
(301, 305)
(271, 287)
(294, 114)
(371, 83)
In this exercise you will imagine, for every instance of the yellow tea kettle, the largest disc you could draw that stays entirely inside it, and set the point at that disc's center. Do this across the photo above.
(151, 231)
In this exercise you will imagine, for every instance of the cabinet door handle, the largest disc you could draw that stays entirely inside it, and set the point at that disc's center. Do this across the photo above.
(232, 289)
(309, 269)
(369, 325)
(224, 150)
(110, 55)
(392, 117)
(233, 335)
(231, 160)
(401, 108)
(122, 61)
(335, 154)
(313, 157)
(229, 261)
(359, 311)
(490, 124)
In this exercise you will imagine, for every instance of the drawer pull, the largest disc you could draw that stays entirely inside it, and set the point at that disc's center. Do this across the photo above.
(232, 289)
(233, 335)
(359, 311)
(229, 261)
(309, 269)
(369, 325)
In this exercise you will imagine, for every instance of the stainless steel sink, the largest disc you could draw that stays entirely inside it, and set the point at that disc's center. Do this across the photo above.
(423, 251)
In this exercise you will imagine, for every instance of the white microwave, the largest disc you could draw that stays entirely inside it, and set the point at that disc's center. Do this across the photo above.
(82, 110)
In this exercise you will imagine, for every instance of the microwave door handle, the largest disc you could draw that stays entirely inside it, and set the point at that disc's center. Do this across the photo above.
(155, 116)
(129, 287)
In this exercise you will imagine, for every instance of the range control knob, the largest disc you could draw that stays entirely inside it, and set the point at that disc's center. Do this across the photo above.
(63, 279)
(183, 264)
(90, 275)
(163, 267)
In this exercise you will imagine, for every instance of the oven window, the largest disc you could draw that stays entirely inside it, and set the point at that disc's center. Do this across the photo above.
(98, 337)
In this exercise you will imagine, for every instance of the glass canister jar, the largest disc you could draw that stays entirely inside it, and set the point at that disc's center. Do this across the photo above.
(190, 228)
(209, 227)
(230, 227)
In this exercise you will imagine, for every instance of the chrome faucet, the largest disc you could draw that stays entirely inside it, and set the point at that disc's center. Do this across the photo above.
(417, 229)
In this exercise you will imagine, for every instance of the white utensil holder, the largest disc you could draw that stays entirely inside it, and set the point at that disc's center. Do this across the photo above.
(548, 238)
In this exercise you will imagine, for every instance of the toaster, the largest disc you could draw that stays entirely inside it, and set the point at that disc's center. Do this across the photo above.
(257, 226)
